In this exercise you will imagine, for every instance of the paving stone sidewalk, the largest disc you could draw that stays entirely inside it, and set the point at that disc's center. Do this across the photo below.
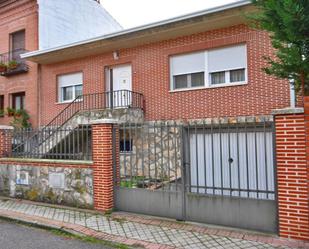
(140, 231)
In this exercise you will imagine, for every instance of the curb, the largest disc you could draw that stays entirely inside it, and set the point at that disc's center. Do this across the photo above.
(77, 230)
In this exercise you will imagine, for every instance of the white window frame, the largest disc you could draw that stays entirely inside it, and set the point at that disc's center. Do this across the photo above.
(207, 75)
(74, 85)
(227, 79)
(189, 81)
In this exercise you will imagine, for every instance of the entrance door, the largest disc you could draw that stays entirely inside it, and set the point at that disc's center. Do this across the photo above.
(121, 86)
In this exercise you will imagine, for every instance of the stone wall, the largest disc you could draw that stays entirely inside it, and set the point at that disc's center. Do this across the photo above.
(132, 115)
(58, 185)
(155, 152)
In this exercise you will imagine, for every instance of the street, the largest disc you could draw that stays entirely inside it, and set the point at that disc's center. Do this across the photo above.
(14, 236)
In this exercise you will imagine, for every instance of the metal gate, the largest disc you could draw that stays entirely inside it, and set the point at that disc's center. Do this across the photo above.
(214, 173)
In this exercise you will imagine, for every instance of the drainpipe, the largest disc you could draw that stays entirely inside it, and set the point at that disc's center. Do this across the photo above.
(39, 96)
(292, 94)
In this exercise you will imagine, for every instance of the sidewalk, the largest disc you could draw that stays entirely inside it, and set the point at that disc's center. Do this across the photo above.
(139, 231)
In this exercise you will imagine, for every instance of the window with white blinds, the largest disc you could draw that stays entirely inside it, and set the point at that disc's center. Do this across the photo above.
(227, 65)
(209, 68)
(70, 86)
(188, 70)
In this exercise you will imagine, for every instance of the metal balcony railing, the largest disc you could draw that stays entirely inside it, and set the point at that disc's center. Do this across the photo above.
(11, 63)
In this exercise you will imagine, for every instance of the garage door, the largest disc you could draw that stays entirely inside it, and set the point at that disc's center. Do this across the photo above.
(231, 176)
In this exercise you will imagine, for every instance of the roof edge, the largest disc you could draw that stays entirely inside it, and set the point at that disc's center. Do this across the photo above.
(141, 28)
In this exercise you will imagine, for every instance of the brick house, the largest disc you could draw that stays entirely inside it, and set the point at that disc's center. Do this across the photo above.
(154, 57)
(181, 124)
(29, 25)
(202, 66)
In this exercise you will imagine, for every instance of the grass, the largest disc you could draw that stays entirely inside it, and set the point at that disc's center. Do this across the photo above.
(133, 182)
(88, 239)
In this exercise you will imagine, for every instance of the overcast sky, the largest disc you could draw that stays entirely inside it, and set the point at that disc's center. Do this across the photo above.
(131, 13)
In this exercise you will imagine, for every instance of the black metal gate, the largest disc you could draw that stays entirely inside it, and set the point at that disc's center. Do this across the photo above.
(214, 173)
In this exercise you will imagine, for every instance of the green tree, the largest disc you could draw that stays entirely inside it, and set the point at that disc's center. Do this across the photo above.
(288, 24)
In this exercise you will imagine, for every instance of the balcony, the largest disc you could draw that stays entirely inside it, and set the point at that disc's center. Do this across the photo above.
(11, 63)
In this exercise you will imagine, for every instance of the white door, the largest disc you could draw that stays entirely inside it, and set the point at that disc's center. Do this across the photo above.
(122, 86)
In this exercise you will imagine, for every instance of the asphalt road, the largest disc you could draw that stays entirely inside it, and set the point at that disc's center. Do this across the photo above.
(16, 236)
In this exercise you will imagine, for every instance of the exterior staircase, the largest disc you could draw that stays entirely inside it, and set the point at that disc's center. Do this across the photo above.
(122, 105)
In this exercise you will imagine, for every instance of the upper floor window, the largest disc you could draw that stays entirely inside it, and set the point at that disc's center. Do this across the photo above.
(188, 70)
(17, 44)
(217, 67)
(70, 86)
(227, 65)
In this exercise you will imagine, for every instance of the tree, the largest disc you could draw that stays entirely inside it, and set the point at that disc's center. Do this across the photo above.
(288, 24)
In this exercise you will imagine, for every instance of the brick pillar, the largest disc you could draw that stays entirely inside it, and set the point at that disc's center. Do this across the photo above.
(292, 173)
(5, 140)
(102, 140)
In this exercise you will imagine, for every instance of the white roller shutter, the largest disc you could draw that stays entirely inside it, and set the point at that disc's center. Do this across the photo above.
(228, 58)
(188, 63)
(70, 79)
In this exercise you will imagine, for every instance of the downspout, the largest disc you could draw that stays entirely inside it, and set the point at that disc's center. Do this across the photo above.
(39, 79)
(292, 94)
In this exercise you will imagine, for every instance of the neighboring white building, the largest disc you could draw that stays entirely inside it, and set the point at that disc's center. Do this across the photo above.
(67, 21)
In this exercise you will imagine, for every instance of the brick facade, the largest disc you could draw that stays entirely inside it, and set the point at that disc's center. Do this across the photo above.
(150, 66)
(5, 142)
(16, 16)
(292, 174)
(102, 136)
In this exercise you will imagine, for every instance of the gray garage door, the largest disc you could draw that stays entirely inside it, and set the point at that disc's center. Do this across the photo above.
(231, 176)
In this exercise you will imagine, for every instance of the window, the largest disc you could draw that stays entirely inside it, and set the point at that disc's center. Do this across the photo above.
(125, 145)
(18, 100)
(217, 78)
(126, 141)
(227, 65)
(237, 75)
(1, 105)
(70, 87)
(189, 80)
(188, 70)
(224, 66)
(17, 44)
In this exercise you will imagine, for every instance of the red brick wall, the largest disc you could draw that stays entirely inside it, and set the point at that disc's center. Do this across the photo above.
(150, 64)
(102, 166)
(18, 15)
(5, 142)
(292, 175)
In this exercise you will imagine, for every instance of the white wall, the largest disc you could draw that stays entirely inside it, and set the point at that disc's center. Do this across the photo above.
(66, 21)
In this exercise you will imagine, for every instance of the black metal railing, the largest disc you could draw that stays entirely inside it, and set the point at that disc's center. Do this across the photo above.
(97, 101)
(66, 144)
(87, 102)
(11, 63)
